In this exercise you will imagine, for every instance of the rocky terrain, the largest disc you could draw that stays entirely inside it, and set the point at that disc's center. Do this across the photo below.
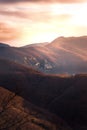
(61, 56)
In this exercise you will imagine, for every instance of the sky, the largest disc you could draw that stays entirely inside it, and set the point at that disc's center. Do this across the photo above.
(25, 22)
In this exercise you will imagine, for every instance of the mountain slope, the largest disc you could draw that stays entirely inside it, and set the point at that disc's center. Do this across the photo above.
(17, 113)
(64, 96)
(61, 56)
(8, 66)
(4, 45)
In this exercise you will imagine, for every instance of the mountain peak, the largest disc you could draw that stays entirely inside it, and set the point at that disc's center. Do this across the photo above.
(72, 39)
(4, 45)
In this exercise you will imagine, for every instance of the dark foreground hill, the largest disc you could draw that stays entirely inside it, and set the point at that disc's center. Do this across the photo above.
(18, 114)
(63, 55)
(66, 96)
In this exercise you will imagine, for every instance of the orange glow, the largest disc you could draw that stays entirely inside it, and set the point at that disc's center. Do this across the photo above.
(38, 22)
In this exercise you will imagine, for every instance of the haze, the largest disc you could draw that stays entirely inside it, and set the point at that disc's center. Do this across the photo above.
(24, 23)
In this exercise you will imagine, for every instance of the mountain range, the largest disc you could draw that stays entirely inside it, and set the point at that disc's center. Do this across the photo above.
(61, 56)
(64, 96)
(44, 86)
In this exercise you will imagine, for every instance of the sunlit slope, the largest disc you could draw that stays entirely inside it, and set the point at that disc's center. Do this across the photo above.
(63, 55)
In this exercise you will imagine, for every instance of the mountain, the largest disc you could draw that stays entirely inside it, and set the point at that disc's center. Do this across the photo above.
(18, 114)
(36, 44)
(4, 45)
(65, 96)
(61, 56)
(7, 66)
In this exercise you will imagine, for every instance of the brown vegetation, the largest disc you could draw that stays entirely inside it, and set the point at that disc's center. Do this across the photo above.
(15, 116)
(64, 96)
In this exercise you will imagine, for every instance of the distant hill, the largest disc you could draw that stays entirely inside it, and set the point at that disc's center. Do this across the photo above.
(4, 45)
(8, 66)
(66, 96)
(61, 56)
(36, 44)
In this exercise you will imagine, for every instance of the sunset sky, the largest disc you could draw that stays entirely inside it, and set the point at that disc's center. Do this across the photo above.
(30, 21)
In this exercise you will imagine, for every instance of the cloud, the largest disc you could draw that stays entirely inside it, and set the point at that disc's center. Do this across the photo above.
(14, 14)
(19, 22)
(7, 32)
(60, 1)
(10, 1)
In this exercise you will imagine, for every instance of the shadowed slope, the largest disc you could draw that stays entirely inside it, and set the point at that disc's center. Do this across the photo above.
(17, 113)
(64, 96)
(7, 66)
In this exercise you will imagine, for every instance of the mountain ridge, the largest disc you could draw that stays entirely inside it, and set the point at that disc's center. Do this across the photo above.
(67, 56)
(20, 114)
(63, 96)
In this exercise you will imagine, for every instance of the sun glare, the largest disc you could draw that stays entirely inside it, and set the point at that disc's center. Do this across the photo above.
(39, 37)
(44, 22)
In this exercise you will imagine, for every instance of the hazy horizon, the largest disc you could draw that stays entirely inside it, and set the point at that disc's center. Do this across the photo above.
(28, 22)
(13, 43)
